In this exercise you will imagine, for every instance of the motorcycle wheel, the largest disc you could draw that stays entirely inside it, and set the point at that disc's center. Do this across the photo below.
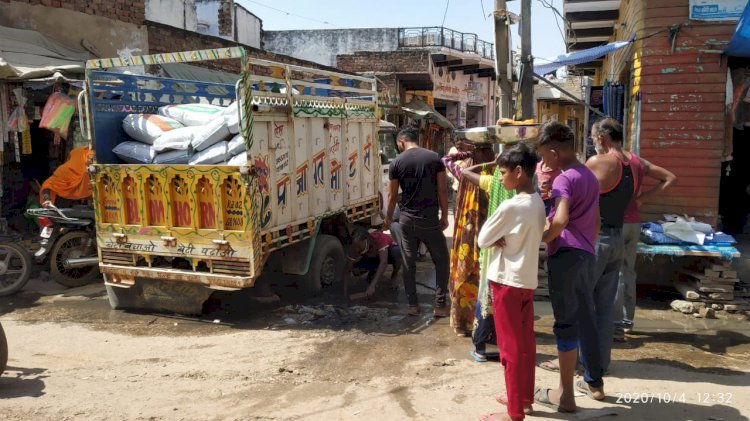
(15, 268)
(3, 350)
(69, 246)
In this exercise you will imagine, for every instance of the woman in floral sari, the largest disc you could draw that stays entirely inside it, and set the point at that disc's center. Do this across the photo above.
(470, 213)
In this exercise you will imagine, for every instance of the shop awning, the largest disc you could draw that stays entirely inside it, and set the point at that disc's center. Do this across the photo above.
(420, 110)
(543, 66)
(739, 46)
(29, 55)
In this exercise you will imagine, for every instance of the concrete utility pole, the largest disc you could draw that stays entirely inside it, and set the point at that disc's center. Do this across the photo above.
(527, 69)
(502, 58)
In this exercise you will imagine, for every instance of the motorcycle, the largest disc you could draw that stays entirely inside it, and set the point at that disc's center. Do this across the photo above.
(68, 241)
(16, 264)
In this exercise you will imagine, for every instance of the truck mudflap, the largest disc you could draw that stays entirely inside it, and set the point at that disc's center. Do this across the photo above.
(124, 277)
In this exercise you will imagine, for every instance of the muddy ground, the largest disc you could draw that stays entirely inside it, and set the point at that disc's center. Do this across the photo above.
(72, 358)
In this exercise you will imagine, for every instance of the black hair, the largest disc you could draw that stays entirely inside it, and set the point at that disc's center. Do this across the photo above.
(519, 155)
(409, 133)
(556, 133)
(610, 127)
(360, 234)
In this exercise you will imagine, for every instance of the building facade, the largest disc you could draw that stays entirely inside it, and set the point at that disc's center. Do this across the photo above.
(449, 70)
(676, 84)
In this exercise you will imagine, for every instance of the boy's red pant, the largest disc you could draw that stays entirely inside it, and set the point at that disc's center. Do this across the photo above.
(513, 309)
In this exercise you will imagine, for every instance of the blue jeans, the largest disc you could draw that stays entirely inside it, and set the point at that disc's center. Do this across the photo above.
(571, 286)
(610, 253)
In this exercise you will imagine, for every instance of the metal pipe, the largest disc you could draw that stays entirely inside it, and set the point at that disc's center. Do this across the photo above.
(81, 262)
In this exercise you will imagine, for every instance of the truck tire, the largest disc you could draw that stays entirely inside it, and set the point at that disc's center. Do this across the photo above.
(160, 296)
(326, 266)
(3, 350)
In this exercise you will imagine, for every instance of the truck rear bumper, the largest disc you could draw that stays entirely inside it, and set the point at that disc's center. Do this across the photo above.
(124, 276)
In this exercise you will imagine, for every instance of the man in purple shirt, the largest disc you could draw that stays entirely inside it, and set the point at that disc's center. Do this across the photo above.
(571, 237)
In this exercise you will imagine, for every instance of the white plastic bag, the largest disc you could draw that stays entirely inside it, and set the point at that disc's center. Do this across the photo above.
(172, 157)
(238, 160)
(214, 131)
(214, 155)
(192, 114)
(135, 152)
(232, 117)
(682, 231)
(236, 145)
(175, 140)
(147, 128)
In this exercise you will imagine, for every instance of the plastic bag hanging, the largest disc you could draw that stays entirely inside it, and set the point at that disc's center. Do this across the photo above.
(57, 113)
(19, 121)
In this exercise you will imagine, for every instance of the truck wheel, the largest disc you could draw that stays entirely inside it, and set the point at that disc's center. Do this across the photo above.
(3, 350)
(326, 266)
(123, 298)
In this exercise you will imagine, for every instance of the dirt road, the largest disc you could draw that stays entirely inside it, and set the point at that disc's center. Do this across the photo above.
(71, 357)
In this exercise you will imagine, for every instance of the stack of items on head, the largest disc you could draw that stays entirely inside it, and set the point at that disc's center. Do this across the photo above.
(542, 290)
(195, 134)
(711, 283)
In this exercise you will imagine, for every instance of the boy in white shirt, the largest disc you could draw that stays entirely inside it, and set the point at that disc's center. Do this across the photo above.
(513, 233)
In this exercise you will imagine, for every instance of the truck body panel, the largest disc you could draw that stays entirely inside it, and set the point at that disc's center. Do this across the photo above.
(309, 157)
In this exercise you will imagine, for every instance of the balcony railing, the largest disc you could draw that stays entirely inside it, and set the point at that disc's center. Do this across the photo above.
(437, 36)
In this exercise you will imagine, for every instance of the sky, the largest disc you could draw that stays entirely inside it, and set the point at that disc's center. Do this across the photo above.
(462, 16)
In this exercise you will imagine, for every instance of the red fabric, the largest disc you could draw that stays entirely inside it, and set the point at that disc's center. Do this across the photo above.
(381, 240)
(632, 216)
(514, 322)
(545, 177)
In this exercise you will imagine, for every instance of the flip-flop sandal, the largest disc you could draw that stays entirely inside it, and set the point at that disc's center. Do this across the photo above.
(583, 387)
(541, 396)
(549, 366)
(502, 399)
(480, 358)
(414, 311)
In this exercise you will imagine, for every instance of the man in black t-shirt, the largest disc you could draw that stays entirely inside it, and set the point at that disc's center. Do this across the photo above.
(423, 215)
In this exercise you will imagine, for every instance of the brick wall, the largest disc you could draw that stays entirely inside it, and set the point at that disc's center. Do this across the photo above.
(131, 11)
(405, 61)
(166, 39)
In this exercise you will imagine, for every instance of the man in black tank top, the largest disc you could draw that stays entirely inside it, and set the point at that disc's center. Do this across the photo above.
(616, 184)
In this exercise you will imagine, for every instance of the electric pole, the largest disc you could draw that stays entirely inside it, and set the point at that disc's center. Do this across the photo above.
(502, 59)
(527, 69)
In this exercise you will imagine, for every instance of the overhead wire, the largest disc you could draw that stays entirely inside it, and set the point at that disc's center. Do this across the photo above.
(292, 14)
(569, 26)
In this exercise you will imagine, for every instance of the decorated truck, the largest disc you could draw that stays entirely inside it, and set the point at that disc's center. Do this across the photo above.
(168, 235)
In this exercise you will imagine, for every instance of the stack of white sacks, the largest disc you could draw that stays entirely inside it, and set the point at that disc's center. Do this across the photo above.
(195, 134)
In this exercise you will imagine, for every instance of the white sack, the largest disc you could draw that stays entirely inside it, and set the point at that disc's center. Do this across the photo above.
(214, 131)
(236, 145)
(172, 158)
(232, 118)
(175, 140)
(135, 152)
(214, 155)
(148, 127)
(238, 160)
(192, 114)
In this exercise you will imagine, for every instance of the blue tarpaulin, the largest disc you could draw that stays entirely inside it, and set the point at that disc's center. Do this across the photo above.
(739, 46)
(543, 66)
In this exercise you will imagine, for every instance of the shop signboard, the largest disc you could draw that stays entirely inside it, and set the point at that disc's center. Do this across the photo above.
(716, 10)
